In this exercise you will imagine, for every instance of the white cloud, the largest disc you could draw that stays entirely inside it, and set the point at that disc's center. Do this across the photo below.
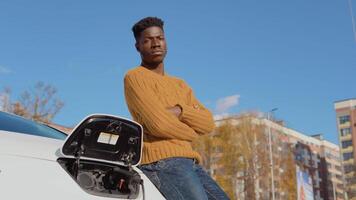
(221, 116)
(4, 70)
(225, 103)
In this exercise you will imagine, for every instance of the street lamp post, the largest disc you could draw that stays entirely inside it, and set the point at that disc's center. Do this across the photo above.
(334, 191)
(270, 152)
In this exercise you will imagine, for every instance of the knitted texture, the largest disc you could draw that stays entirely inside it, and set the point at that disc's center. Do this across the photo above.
(148, 95)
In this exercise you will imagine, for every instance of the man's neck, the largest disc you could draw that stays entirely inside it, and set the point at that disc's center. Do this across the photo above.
(159, 68)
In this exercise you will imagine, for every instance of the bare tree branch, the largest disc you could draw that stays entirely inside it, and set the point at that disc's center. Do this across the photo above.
(38, 103)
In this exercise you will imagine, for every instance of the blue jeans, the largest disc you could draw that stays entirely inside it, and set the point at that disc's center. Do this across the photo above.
(182, 179)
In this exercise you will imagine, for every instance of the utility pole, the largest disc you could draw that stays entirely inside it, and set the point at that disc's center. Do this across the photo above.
(334, 192)
(270, 152)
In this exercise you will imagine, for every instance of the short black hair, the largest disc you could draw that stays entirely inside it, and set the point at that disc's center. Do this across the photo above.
(144, 23)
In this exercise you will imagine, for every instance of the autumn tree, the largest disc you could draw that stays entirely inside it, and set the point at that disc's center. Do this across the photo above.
(238, 155)
(244, 156)
(38, 103)
(287, 177)
(206, 146)
(231, 159)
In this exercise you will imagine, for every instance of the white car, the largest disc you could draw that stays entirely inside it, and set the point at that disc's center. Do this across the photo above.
(96, 161)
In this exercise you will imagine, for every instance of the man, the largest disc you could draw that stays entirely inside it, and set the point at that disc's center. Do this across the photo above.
(172, 118)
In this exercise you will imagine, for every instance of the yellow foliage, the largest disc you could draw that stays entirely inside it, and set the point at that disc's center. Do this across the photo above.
(237, 154)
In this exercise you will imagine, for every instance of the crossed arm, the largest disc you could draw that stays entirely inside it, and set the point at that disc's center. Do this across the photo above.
(185, 121)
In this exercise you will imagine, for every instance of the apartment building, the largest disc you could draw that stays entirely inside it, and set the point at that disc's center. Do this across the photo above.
(320, 158)
(333, 174)
(346, 125)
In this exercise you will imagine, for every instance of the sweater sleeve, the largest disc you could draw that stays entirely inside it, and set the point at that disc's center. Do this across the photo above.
(196, 115)
(144, 106)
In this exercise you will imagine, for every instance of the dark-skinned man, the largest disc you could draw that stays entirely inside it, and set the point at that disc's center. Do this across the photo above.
(172, 118)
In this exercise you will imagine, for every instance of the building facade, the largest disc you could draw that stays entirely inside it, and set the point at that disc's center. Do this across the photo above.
(312, 154)
(320, 158)
(346, 125)
(332, 171)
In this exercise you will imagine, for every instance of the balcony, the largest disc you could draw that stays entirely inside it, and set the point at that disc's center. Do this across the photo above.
(347, 150)
(346, 137)
(348, 162)
(345, 125)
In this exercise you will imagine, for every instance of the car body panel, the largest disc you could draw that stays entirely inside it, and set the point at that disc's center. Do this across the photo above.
(21, 178)
(29, 170)
(20, 144)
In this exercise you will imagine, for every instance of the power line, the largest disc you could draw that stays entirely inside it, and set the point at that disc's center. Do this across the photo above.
(352, 19)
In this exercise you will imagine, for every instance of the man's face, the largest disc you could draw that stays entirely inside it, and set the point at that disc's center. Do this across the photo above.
(152, 45)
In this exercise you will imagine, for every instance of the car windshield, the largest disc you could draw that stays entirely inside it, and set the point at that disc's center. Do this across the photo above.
(13, 123)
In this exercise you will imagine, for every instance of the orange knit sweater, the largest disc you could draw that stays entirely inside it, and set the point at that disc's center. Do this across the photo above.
(148, 95)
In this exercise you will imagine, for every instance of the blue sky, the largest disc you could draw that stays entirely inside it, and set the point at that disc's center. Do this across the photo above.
(299, 56)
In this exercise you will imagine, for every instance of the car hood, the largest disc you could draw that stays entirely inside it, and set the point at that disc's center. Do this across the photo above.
(23, 145)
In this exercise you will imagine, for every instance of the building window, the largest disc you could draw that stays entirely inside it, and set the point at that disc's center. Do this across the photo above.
(339, 177)
(348, 156)
(351, 180)
(344, 119)
(345, 131)
(329, 165)
(346, 144)
(348, 168)
(331, 156)
(339, 195)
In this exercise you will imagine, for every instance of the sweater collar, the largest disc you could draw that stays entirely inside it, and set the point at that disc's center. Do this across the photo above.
(152, 72)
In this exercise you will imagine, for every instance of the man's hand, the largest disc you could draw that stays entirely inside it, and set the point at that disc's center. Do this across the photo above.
(176, 111)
